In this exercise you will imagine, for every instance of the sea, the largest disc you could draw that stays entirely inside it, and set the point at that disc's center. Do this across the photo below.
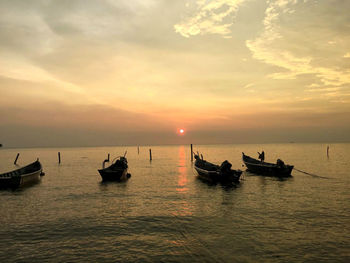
(164, 213)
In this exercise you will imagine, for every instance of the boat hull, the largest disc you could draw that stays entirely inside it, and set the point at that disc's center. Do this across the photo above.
(27, 175)
(114, 175)
(12, 182)
(267, 169)
(209, 176)
(30, 178)
(211, 173)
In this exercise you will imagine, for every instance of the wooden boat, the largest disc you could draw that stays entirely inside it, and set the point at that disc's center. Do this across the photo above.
(117, 171)
(214, 173)
(22, 176)
(278, 169)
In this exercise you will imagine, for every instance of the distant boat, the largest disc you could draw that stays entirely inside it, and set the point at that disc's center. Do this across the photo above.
(117, 171)
(214, 173)
(22, 176)
(278, 169)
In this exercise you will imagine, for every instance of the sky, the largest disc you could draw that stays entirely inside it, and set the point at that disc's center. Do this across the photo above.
(134, 72)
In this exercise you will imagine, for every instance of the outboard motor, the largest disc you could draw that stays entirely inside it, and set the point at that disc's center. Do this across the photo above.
(225, 166)
(123, 162)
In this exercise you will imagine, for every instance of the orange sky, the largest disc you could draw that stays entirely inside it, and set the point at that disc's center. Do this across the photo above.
(106, 72)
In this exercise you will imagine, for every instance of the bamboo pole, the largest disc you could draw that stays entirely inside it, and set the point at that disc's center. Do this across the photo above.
(328, 151)
(15, 162)
(191, 153)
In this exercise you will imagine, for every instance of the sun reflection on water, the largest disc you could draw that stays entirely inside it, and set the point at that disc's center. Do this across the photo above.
(184, 208)
(182, 169)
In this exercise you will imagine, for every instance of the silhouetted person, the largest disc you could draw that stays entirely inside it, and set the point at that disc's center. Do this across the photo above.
(261, 156)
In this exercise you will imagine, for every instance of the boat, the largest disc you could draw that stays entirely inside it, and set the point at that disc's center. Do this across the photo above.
(22, 176)
(278, 169)
(117, 171)
(214, 173)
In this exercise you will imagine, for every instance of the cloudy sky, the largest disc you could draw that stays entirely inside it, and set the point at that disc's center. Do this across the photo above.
(116, 72)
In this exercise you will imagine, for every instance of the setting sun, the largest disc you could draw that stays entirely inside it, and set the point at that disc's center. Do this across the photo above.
(182, 131)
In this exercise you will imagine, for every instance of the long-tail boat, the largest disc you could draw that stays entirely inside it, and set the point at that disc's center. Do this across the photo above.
(25, 175)
(117, 171)
(278, 169)
(214, 173)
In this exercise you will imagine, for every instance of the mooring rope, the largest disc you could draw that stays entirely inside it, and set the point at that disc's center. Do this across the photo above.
(314, 175)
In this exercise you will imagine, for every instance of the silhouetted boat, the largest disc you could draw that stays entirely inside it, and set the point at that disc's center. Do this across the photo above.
(278, 169)
(214, 173)
(117, 171)
(22, 176)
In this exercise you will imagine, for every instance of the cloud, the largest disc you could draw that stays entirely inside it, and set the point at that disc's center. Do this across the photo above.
(96, 117)
(292, 40)
(213, 17)
(55, 124)
(101, 63)
(23, 29)
(18, 68)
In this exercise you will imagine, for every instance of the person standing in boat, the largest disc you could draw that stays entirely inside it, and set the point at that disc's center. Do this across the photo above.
(261, 156)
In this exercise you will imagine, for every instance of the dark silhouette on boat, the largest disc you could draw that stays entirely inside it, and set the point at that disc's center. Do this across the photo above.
(23, 176)
(117, 171)
(214, 173)
(278, 169)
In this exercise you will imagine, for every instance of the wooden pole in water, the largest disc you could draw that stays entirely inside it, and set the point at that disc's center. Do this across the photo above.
(15, 162)
(108, 158)
(191, 153)
(328, 151)
(150, 154)
(59, 157)
(138, 149)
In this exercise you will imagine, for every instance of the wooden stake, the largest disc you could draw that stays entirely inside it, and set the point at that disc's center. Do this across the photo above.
(150, 154)
(59, 157)
(191, 153)
(108, 158)
(15, 162)
(327, 151)
(138, 149)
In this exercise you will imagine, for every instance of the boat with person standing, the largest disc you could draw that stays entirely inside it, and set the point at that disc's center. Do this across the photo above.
(278, 169)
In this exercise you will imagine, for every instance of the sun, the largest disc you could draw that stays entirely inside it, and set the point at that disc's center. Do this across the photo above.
(181, 131)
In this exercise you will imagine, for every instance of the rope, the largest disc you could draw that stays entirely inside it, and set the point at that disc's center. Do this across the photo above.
(313, 175)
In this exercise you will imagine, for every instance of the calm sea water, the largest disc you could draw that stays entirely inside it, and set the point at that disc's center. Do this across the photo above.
(165, 214)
